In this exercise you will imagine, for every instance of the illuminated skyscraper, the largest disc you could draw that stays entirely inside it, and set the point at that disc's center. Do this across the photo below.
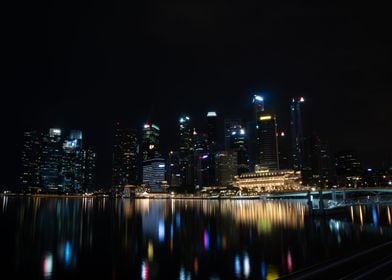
(297, 133)
(267, 142)
(238, 144)
(213, 147)
(154, 166)
(150, 141)
(125, 156)
(90, 162)
(31, 160)
(52, 160)
(72, 166)
(186, 149)
(212, 127)
(258, 105)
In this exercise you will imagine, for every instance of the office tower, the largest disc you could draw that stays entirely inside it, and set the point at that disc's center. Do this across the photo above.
(201, 160)
(52, 159)
(266, 142)
(186, 149)
(297, 132)
(258, 106)
(72, 165)
(226, 167)
(213, 146)
(228, 126)
(284, 147)
(154, 166)
(348, 169)
(125, 156)
(90, 162)
(30, 177)
(173, 169)
(238, 144)
(154, 173)
(150, 145)
(212, 127)
(318, 168)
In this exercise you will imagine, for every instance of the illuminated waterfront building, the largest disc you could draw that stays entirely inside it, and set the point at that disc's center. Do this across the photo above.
(226, 167)
(298, 132)
(348, 169)
(267, 142)
(154, 173)
(269, 180)
(125, 156)
(150, 145)
(72, 166)
(186, 148)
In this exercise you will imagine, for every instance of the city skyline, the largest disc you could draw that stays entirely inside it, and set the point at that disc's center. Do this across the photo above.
(85, 68)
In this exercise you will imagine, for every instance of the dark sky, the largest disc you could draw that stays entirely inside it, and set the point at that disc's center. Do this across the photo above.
(83, 64)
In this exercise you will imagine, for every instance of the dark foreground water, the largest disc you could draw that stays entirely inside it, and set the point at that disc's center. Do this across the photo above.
(74, 238)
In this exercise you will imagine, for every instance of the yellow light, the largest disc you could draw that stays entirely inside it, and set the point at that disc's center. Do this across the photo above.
(150, 251)
(265, 118)
(151, 147)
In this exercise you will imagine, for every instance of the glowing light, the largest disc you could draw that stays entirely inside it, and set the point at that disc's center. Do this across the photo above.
(196, 265)
(151, 147)
(302, 99)
(289, 262)
(237, 266)
(257, 98)
(265, 118)
(155, 126)
(282, 134)
(48, 266)
(150, 251)
(211, 114)
(242, 131)
(233, 133)
(145, 273)
(389, 215)
(182, 120)
(263, 270)
(161, 165)
(161, 230)
(204, 157)
(206, 240)
(67, 253)
(246, 266)
(374, 214)
(146, 126)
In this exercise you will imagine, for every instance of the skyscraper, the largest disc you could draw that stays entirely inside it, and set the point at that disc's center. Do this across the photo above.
(212, 127)
(90, 162)
(125, 156)
(72, 166)
(348, 169)
(153, 164)
(186, 149)
(31, 160)
(150, 143)
(297, 132)
(267, 143)
(52, 160)
(213, 147)
(238, 144)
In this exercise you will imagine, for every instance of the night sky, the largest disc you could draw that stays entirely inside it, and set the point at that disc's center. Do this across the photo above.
(84, 64)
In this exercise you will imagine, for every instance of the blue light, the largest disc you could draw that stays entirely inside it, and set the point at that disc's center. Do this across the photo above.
(375, 217)
(178, 220)
(263, 270)
(257, 98)
(206, 239)
(161, 231)
(237, 266)
(67, 253)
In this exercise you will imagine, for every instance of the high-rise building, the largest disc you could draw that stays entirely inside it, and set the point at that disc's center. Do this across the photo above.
(229, 124)
(72, 166)
(348, 169)
(226, 167)
(173, 169)
(186, 149)
(238, 144)
(150, 141)
(125, 156)
(213, 147)
(52, 160)
(297, 132)
(31, 160)
(154, 173)
(284, 148)
(90, 162)
(267, 142)
(258, 106)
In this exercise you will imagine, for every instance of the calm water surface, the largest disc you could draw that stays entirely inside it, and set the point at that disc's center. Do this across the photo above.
(64, 238)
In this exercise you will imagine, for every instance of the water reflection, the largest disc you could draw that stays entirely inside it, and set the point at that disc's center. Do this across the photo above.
(178, 239)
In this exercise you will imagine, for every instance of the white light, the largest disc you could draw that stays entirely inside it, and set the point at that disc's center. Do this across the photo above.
(211, 114)
(146, 126)
(161, 165)
(242, 131)
(182, 120)
(233, 133)
(258, 98)
(302, 99)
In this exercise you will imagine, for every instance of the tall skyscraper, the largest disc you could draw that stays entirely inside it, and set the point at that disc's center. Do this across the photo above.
(238, 144)
(348, 169)
(125, 156)
(284, 148)
(212, 128)
(226, 167)
(72, 168)
(267, 142)
(150, 141)
(297, 133)
(154, 166)
(31, 160)
(213, 147)
(229, 124)
(258, 106)
(90, 162)
(186, 150)
(52, 160)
